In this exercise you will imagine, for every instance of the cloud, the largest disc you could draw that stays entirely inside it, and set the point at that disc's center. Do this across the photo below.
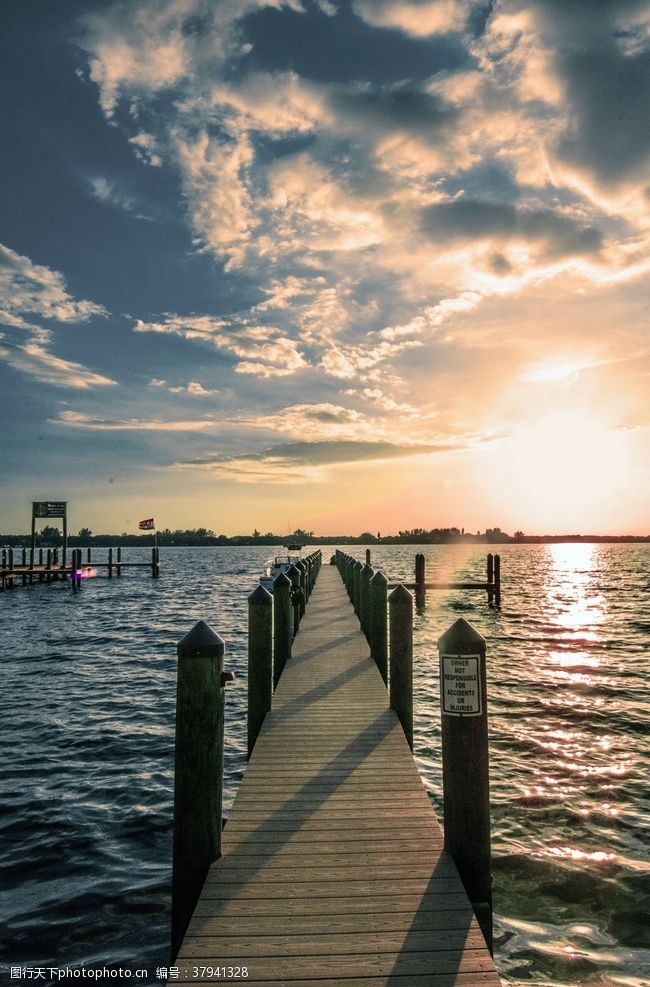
(31, 288)
(260, 349)
(194, 389)
(473, 219)
(110, 195)
(77, 419)
(287, 462)
(419, 18)
(378, 221)
(34, 359)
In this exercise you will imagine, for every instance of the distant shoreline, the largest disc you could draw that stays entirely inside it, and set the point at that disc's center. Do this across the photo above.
(189, 540)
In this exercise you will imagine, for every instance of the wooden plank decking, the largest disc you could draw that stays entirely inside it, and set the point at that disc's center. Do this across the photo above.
(332, 866)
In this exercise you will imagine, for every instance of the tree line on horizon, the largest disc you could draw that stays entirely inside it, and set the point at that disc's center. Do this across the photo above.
(50, 536)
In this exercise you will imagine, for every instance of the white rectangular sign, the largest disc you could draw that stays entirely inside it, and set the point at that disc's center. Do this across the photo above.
(460, 686)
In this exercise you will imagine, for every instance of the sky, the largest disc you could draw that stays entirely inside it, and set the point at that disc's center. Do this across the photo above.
(342, 265)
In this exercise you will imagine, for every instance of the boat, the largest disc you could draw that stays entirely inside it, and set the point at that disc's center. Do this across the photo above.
(280, 563)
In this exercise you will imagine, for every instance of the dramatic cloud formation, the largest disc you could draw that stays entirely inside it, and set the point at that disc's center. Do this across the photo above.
(382, 229)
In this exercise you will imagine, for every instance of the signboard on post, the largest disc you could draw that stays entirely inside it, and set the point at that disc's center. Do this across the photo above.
(49, 508)
(460, 685)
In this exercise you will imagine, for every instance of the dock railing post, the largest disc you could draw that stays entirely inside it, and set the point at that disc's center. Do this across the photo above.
(119, 561)
(260, 661)
(420, 581)
(356, 587)
(198, 773)
(465, 764)
(379, 621)
(497, 580)
(293, 572)
(302, 569)
(400, 607)
(282, 624)
(365, 575)
(110, 563)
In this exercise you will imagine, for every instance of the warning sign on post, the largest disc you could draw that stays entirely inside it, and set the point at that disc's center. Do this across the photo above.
(460, 685)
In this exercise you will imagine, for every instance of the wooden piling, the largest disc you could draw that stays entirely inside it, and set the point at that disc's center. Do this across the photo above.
(420, 581)
(198, 779)
(365, 575)
(356, 586)
(490, 577)
(465, 764)
(282, 624)
(110, 563)
(497, 580)
(400, 608)
(118, 566)
(379, 622)
(367, 556)
(260, 661)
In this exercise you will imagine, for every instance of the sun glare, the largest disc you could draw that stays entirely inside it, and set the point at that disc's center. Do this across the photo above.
(564, 473)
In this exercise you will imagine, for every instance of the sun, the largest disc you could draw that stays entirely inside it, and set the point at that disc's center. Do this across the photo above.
(567, 472)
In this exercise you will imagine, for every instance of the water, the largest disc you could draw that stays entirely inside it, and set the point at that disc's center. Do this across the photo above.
(87, 752)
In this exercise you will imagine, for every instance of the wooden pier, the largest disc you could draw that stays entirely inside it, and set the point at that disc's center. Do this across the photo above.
(45, 566)
(332, 866)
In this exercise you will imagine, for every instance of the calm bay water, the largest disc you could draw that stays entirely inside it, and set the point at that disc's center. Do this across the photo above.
(87, 731)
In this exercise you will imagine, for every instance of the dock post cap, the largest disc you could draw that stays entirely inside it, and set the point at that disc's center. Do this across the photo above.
(400, 595)
(460, 637)
(260, 595)
(201, 642)
(281, 580)
(379, 579)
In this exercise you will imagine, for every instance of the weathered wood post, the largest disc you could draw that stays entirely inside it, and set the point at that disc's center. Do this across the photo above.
(497, 580)
(365, 575)
(10, 555)
(110, 563)
(293, 572)
(356, 586)
(465, 765)
(260, 661)
(302, 569)
(24, 557)
(282, 624)
(88, 555)
(367, 556)
(118, 567)
(420, 581)
(490, 577)
(48, 565)
(198, 776)
(400, 606)
(4, 558)
(379, 619)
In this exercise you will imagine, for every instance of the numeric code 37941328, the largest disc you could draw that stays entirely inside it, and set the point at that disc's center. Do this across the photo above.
(219, 972)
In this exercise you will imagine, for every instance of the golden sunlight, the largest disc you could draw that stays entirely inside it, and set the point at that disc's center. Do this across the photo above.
(565, 473)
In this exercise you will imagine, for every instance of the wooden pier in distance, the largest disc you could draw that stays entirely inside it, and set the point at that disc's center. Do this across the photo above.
(332, 866)
(46, 567)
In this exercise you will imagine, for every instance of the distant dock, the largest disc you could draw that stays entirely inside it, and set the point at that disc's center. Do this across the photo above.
(332, 867)
(27, 567)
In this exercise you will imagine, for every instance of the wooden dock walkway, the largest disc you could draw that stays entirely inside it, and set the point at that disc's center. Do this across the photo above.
(333, 868)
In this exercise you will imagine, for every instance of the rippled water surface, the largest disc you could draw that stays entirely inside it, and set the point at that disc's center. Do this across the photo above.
(87, 751)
